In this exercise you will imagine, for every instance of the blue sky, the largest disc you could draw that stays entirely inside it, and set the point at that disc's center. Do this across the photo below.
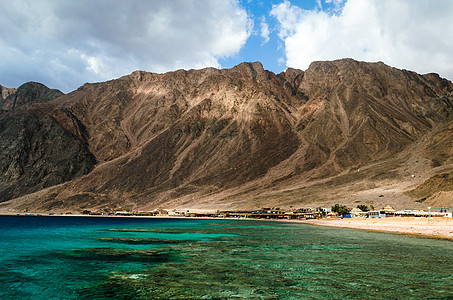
(269, 52)
(64, 44)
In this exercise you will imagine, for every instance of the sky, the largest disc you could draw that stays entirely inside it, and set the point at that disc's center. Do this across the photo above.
(64, 44)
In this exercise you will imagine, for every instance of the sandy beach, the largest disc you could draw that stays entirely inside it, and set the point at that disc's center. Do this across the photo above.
(434, 227)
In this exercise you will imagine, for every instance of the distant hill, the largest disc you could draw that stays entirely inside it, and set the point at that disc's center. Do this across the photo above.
(36, 150)
(342, 131)
(26, 94)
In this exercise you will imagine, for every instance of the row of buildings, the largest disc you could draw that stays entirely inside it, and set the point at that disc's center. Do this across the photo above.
(277, 213)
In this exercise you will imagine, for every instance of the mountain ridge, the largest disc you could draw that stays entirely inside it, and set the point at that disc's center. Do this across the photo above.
(248, 138)
(27, 94)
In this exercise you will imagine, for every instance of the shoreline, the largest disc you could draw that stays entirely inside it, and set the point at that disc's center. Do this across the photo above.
(415, 226)
(438, 228)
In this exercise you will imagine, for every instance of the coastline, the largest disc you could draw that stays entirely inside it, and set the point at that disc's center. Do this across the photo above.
(438, 228)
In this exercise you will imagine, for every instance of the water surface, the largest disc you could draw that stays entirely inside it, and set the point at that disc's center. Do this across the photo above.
(133, 258)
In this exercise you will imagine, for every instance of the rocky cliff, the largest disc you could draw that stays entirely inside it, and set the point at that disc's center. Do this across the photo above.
(26, 95)
(36, 150)
(340, 132)
(5, 92)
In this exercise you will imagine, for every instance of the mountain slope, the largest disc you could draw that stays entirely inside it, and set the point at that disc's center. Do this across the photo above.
(5, 92)
(26, 94)
(36, 150)
(342, 131)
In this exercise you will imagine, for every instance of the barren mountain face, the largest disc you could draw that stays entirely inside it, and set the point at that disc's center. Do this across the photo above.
(243, 138)
(36, 151)
(25, 95)
(5, 92)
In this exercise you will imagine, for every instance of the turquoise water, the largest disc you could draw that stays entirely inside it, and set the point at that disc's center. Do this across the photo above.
(133, 258)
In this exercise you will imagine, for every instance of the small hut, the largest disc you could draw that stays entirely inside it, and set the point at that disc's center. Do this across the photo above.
(357, 212)
(389, 211)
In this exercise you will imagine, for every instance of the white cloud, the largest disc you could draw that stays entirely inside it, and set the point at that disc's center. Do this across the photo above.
(337, 4)
(264, 30)
(415, 34)
(66, 43)
(318, 4)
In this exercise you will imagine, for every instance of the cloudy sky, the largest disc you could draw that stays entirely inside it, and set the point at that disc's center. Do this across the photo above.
(65, 43)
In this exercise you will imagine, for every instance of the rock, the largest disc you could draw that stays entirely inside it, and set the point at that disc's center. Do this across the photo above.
(27, 94)
(5, 92)
(234, 138)
(37, 153)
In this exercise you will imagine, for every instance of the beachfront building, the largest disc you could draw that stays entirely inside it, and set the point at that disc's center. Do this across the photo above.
(376, 214)
(331, 215)
(440, 212)
(411, 213)
(357, 212)
(389, 211)
(446, 212)
(123, 213)
(145, 213)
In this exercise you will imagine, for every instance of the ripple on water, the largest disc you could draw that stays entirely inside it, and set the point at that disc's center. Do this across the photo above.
(223, 260)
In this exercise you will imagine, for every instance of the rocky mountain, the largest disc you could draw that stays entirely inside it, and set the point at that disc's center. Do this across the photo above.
(26, 94)
(5, 92)
(36, 150)
(340, 132)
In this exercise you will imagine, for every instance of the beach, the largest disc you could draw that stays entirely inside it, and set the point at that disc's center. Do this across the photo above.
(435, 227)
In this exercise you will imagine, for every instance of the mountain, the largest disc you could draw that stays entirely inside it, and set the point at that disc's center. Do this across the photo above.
(26, 94)
(340, 132)
(5, 92)
(36, 150)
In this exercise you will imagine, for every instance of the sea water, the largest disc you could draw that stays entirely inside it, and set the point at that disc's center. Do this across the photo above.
(149, 258)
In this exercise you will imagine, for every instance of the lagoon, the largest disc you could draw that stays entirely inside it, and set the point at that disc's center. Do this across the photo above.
(152, 258)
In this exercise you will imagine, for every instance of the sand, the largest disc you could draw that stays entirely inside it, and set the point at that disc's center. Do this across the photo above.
(435, 227)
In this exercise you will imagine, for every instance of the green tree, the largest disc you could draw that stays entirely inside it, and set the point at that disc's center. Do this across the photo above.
(363, 207)
(340, 209)
(323, 213)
